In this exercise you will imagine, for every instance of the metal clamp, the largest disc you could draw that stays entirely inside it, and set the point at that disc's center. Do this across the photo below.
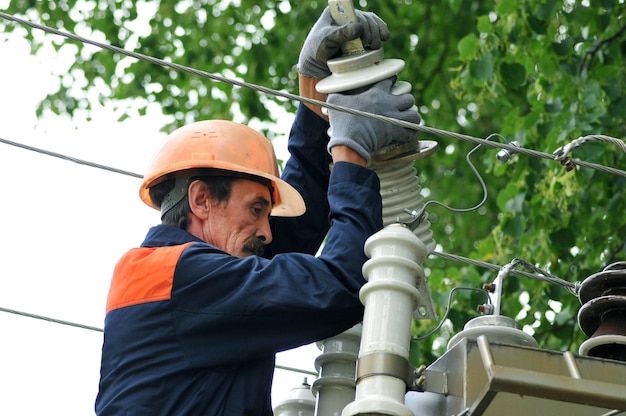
(384, 364)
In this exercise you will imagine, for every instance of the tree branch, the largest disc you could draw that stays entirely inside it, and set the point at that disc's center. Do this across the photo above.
(589, 55)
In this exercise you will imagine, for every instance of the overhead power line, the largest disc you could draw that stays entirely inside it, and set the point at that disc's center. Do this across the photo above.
(265, 90)
(93, 328)
(543, 276)
(48, 319)
(70, 158)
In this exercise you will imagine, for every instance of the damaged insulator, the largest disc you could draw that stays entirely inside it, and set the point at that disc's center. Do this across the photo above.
(602, 316)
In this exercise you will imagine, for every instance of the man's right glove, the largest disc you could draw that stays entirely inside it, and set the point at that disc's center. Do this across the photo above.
(325, 39)
(365, 135)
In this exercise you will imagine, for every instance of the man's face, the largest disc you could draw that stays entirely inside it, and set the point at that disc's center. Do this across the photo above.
(240, 226)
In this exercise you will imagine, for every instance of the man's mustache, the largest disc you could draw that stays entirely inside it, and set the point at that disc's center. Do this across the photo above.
(254, 246)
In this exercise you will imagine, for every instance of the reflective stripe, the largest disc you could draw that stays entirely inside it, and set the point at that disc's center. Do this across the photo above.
(144, 275)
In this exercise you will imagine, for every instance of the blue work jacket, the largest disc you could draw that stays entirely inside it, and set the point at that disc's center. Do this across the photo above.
(192, 330)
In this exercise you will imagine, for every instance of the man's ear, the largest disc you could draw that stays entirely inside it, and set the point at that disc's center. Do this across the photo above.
(199, 199)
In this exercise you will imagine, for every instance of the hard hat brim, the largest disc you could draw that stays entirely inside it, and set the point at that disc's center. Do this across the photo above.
(287, 200)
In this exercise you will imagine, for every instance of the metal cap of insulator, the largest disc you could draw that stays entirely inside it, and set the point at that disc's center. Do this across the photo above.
(497, 328)
(602, 316)
(300, 402)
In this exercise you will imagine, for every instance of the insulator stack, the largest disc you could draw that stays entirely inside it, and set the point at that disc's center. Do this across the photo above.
(401, 194)
(336, 366)
(390, 295)
(602, 316)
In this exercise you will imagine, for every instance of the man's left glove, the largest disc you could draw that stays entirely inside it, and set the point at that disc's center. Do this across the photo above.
(366, 135)
(325, 39)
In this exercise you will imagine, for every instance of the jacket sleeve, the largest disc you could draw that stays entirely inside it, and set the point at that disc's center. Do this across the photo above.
(229, 309)
(308, 171)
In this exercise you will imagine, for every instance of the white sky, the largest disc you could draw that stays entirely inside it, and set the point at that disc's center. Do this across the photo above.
(63, 227)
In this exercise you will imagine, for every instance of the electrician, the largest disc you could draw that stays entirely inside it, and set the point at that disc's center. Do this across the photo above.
(196, 314)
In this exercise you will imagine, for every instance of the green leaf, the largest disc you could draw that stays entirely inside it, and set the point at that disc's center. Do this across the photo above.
(513, 226)
(482, 69)
(538, 26)
(582, 15)
(468, 46)
(564, 47)
(515, 204)
(554, 106)
(547, 10)
(484, 24)
(613, 88)
(513, 74)
(506, 7)
(562, 240)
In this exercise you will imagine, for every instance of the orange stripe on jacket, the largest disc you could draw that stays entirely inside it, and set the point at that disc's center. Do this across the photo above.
(144, 275)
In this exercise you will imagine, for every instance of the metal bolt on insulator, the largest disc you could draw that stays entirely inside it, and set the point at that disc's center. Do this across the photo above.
(568, 164)
(490, 287)
(505, 155)
(485, 309)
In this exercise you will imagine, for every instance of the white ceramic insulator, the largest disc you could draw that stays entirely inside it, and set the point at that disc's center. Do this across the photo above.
(336, 366)
(390, 295)
(400, 191)
(299, 403)
(496, 328)
(350, 80)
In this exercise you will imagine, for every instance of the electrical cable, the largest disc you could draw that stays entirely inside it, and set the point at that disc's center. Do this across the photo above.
(546, 277)
(562, 152)
(419, 216)
(448, 308)
(48, 319)
(282, 94)
(543, 275)
(503, 271)
(93, 328)
(70, 158)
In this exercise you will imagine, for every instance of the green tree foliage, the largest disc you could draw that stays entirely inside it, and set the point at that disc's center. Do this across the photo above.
(540, 72)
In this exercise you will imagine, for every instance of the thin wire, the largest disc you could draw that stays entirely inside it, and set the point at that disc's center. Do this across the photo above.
(48, 319)
(93, 328)
(546, 277)
(419, 216)
(265, 90)
(296, 370)
(448, 308)
(70, 159)
(562, 152)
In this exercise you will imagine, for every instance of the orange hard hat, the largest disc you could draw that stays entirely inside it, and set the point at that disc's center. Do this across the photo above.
(223, 145)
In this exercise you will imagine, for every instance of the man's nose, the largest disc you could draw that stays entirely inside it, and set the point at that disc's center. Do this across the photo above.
(265, 232)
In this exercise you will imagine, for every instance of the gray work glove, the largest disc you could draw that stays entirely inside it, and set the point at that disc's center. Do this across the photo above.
(365, 135)
(325, 39)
